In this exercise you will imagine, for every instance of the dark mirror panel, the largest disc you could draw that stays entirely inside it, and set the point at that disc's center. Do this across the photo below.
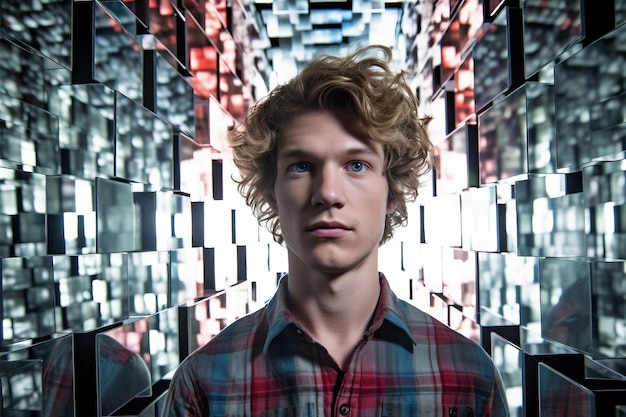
(92, 291)
(461, 31)
(123, 365)
(22, 212)
(186, 275)
(43, 26)
(608, 280)
(174, 97)
(21, 386)
(550, 27)
(540, 120)
(29, 135)
(550, 216)
(508, 360)
(38, 379)
(71, 218)
(234, 97)
(164, 20)
(464, 104)
(118, 61)
(509, 287)
(620, 13)
(203, 61)
(164, 220)
(498, 57)
(605, 203)
(143, 144)
(86, 113)
(197, 9)
(503, 149)
(560, 395)
(115, 216)
(28, 298)
(566, 302)
(22, 72)
(164, 337)
(148, 282)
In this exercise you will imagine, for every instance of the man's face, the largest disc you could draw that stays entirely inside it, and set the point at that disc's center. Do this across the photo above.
(330, 193)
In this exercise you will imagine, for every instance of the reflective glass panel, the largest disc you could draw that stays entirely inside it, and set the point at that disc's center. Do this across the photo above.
(28, 298)
(550, 27)
(148, 282)
(508, 360)
(560, 395)
(566, 302)
(115, 216)
(123, 363)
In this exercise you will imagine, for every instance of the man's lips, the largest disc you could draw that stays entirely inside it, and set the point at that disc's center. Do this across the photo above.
(330, 229)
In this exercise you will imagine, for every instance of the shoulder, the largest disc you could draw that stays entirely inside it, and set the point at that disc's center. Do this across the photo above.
(448, 343)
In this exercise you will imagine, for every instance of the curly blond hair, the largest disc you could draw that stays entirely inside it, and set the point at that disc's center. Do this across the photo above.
(364, 85)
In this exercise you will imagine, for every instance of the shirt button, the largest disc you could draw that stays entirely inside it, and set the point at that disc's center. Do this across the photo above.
(344, 409)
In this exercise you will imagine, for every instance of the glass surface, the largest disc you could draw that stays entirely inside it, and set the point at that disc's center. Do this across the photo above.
(550, 216)
(92, 291)
(196, 166)
(561, 396)
(482, 220)
(503, 139)
(462, 29)
(550, 27)
(164, 220)
(508, 360)
(71, 215)
(459, 279)
(143, 144)
(38, 380)
(589, 98)
(432, 267)
(20, 383)
(174, 97)
(206, 318)
(442, 220)
(86, 115)
(605, 203)
(123, 360)
(118, 59)
(464, 93)
(22, 213)
(164, 20)
(566, 302)
(115, 215)
(22, 72)
(491, 61)
(509, 287)
(202, 61)
(455, 158)
(44, 26)
(609, 298)
(187, 275)
(540, 120)
(28, 135)
(28, 298)
(164, 348)
(148, 281)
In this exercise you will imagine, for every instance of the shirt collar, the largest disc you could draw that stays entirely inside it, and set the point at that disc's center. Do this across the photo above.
(389, 312)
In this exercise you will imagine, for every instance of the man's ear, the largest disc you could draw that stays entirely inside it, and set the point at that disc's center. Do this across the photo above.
(392, 205)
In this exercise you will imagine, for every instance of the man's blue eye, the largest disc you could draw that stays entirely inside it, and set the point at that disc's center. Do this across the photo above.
(357, 166)
(299, 167)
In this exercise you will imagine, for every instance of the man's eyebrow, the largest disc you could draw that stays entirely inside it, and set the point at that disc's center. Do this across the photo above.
(300, 152)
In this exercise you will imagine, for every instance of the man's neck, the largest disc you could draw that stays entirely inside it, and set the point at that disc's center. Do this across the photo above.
(335, 310)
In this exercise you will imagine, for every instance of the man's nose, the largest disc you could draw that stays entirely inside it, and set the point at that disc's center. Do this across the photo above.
(328, 188)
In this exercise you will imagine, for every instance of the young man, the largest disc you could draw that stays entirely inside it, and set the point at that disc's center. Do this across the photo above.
(329, 161)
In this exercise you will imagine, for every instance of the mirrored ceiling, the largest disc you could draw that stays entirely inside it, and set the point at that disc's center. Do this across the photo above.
(300, 29)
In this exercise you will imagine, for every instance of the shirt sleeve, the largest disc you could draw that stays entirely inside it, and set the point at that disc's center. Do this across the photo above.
(499, 405)
(184, 396)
